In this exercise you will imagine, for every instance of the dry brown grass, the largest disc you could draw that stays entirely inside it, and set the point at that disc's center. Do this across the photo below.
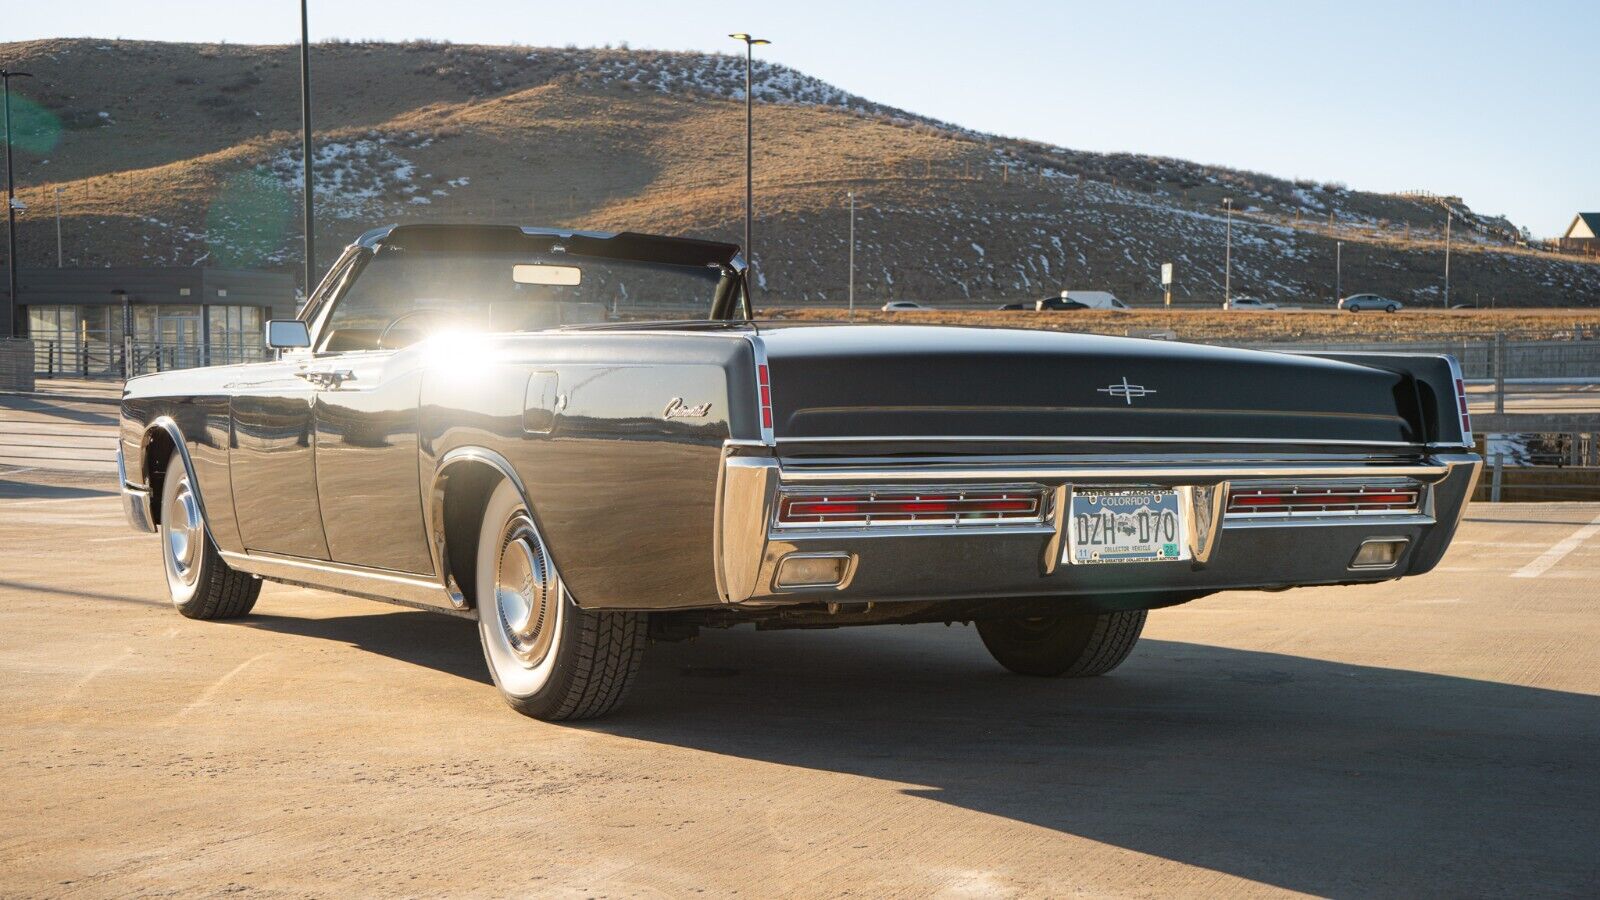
(1222, 326)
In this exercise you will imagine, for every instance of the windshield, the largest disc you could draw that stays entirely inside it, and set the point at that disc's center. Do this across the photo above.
(405, 294)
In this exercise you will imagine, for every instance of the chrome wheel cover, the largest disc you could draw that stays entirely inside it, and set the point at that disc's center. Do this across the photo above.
(526, 593)
(184, 535)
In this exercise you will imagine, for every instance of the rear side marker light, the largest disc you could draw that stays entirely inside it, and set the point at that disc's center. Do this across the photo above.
(764, 388)
(944, 507)
(1379, 553)
(1321, 500)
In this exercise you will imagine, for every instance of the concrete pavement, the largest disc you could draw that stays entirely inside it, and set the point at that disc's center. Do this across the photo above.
(1432, 736)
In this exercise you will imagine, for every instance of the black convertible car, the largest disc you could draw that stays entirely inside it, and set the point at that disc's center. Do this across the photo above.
(517, 425)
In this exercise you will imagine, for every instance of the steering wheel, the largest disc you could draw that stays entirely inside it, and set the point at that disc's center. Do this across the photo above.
(384, 335)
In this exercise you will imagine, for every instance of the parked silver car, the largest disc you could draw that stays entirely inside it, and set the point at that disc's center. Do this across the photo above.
(1363, 302)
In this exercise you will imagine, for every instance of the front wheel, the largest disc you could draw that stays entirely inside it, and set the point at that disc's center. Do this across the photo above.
(1075, 646)
(550, 659)
(202, 586)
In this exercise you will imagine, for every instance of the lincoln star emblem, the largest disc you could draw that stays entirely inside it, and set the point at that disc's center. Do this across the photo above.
(677, 409)
(1127, 391)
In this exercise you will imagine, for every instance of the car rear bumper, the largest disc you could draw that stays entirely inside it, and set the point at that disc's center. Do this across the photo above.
(936, 562)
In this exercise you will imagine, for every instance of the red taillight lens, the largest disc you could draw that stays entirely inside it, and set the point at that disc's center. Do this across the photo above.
(764, 387)
(1308, 499)
(870, 508)
(1461, 404)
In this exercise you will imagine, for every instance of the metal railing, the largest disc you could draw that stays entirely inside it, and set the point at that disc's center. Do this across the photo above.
(112, 359)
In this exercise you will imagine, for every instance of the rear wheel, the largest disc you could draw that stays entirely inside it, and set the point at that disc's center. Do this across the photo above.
(1075, 646)
(550, 659)
(202, 586)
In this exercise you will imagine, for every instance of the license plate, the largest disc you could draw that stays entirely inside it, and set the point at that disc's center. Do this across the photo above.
(1126, 527)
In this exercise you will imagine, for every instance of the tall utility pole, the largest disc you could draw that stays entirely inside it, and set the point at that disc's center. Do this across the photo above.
(749, 145)
(1338, 271)
(1227, 259)
(852, 256)
(8, 328)
(1448, 215)
(305, 147)
(58, 227)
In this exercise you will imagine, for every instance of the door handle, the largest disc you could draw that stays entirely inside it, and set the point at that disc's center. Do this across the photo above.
(330, 379)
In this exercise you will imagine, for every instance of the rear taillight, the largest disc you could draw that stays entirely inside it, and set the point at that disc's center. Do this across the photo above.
(1461, 405)
(868, 508)
(764, 388)
(1277, 500)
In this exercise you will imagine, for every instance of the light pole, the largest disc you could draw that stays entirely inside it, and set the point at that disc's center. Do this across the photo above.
(305, 145)
(1227, 259)
(852, 256)
(58, 227)
(749, 182)
(1338, 271)
(8, 328)
(1448, 214)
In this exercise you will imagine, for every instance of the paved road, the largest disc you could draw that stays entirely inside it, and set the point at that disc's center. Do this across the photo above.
(1436, 736)
(57, 433)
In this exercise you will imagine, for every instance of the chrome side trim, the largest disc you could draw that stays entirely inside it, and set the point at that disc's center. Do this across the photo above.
(1086, 474)
(135, 500)
(372, 584)
(1063, 439)
(434, 518)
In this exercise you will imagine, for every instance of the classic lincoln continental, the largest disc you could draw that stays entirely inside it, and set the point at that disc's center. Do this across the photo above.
(526, 428)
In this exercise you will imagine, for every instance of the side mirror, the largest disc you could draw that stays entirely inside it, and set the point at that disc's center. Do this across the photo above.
(287, 334)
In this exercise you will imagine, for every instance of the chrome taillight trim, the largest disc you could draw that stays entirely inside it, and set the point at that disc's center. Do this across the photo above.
(885, 498)
(1337, 498)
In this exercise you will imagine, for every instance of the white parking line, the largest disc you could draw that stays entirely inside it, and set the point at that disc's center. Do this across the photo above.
(1561, 548)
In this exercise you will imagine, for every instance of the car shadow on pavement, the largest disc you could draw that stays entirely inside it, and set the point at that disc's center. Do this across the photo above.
(1307, 774)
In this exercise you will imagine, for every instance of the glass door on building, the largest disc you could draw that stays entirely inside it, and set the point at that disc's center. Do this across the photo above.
(180, 340)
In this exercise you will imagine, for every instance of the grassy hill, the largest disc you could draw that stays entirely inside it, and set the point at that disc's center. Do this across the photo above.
(189, 154)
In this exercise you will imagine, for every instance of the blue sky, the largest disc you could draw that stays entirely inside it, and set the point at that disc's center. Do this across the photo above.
(1492, 101)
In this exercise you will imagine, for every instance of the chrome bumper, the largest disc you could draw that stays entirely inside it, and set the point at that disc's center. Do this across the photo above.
(1009, 560)
(135, 500)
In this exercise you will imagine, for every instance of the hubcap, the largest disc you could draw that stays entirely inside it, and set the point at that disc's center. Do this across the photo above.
(184, 534)
(525, 593)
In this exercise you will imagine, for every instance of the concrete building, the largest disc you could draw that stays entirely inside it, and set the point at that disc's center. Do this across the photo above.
(1583, 235)
(132, 320)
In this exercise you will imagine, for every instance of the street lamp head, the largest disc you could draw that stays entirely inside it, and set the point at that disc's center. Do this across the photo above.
(741, 36)
(752, 41)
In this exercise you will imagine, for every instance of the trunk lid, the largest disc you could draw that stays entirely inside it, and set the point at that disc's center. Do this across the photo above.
(933, 382)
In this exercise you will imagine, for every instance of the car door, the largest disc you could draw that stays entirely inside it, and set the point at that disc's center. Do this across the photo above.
(272, 447)
(365, 418)
(271, 457)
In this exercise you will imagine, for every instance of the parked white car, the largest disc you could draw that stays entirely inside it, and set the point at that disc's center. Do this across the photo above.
(1247, 303)
(902, 305)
